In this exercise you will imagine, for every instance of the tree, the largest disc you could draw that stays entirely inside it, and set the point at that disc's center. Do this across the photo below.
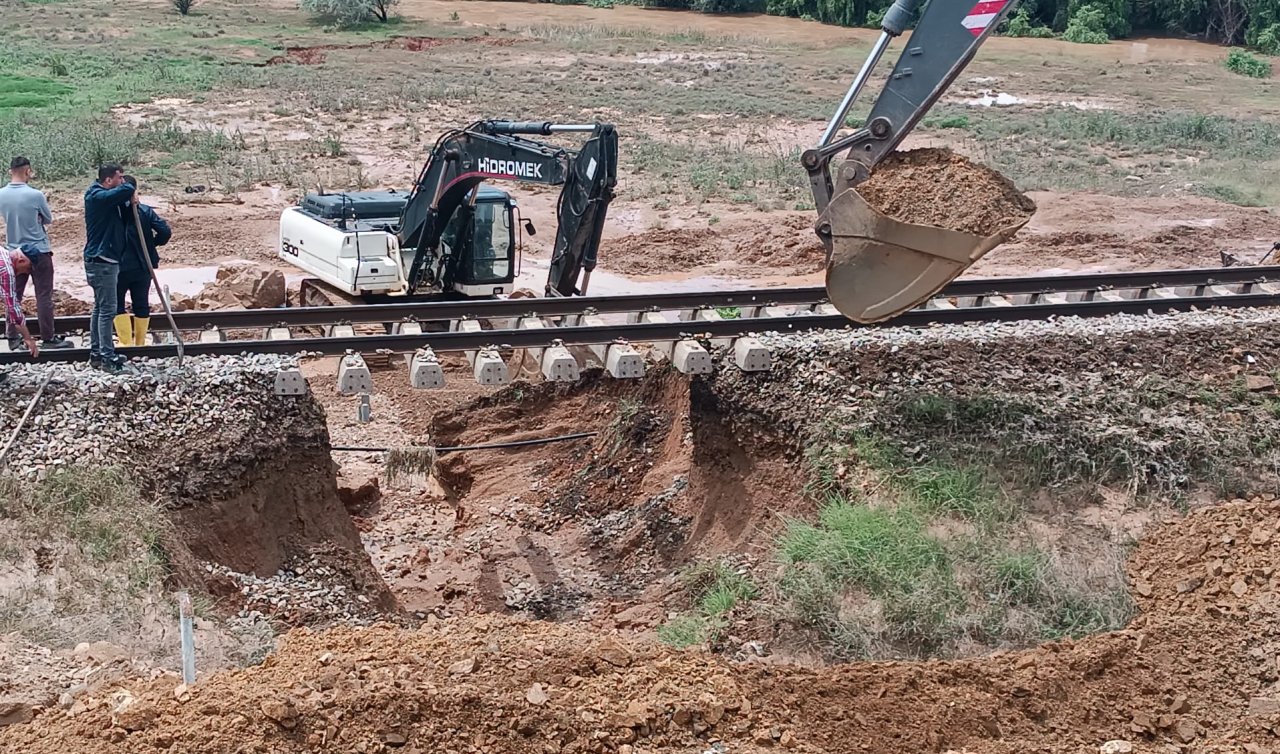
(349, 12)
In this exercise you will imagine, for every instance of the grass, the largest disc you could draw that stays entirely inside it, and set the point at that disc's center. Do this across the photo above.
(87, 557)
(30, 92)
(716, 589)
(99, 539)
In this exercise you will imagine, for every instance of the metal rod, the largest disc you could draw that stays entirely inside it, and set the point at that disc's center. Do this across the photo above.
(155, 279)
(428, 311)
(26, 415)
(188, 639)
(858, 82)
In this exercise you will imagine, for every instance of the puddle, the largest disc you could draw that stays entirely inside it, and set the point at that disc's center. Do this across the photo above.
(1000, 99)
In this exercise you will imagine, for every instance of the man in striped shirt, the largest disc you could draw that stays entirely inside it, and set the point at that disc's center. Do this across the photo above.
(12, 264)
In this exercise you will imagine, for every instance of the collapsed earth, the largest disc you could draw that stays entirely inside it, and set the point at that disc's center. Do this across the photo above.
(575, 378)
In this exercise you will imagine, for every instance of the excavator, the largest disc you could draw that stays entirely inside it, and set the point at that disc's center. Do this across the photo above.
(452, 236)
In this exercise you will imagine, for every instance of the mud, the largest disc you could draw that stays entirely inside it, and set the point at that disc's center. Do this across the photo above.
(1193, 670)
(776, 244)
(941, 188)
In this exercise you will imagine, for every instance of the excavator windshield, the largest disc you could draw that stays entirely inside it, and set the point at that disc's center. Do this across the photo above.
(482, 241)
(492, 258)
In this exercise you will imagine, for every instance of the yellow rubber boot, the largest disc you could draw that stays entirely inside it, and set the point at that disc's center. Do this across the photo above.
(140, 330)
(124, 329)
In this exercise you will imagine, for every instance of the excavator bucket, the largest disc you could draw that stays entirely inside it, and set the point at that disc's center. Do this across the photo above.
(879, 267)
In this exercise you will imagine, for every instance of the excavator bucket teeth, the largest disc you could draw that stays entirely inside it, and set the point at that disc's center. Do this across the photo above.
(879, 267)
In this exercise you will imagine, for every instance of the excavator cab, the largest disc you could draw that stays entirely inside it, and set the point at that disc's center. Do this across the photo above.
(481, 242)
(879, 267)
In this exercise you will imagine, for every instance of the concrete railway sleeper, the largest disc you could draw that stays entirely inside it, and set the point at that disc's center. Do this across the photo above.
(688, 339)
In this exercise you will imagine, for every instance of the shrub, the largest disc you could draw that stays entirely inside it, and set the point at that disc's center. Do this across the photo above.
(1088, 25)
(183, 6)
(1247, 64)
(348, 13)
(1021, 25)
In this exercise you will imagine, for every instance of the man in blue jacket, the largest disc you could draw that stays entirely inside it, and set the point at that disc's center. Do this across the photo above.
(104, 247)
(135, 276)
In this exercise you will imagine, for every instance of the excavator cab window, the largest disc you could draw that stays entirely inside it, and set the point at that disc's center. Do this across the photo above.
(492, 242)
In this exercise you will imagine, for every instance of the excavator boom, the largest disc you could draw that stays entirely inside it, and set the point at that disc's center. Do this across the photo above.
(878, 267)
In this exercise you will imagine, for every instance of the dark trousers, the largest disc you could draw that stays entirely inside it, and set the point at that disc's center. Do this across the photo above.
(137, 288)
(42, 274)
(102, 279)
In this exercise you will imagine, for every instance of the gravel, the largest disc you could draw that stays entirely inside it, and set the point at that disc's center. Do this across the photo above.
(166, 416)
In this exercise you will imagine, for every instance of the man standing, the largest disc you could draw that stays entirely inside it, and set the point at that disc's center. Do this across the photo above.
(26, 215)
(12, 264)
(104, 247)
(135, 276)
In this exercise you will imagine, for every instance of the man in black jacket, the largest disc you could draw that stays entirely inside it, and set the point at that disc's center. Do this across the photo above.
(103, 249)
(135, 276)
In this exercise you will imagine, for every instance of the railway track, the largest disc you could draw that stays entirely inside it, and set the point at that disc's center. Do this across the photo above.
(668, 319)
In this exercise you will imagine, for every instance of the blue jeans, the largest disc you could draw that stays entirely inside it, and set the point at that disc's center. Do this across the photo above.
(102, 279)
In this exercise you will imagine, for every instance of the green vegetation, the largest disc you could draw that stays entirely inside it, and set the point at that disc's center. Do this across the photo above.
(25, 91)
(935, 565)
(100, 537)
(1248, 64)
(1022, 25)
(349, 13)
(1095, 22)
(1088, 25)
(717, 589)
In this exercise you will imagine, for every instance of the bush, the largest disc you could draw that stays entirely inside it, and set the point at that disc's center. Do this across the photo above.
(183, 6)
(1247, 64)
(1268, 40)
(1021, 25)
(348, 13)
(1088, 25)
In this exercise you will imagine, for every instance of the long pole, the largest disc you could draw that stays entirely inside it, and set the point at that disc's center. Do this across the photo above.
(155, 279)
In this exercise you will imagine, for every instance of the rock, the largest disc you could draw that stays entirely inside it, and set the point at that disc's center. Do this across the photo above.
(1258, 382)
(536, 695)
(98, 653)
(135, 716)
(787, 740)
(182, 692)
(1143, 589)
(614, 653)
(1264, 706)
(1260, 537)
(1116, 746)
(13, 713)
(1186, 730)
(394, 739)
(463, 667)
(638, 616)
(280, 712)
(358, 494)
(1189, 585)
(1239, 588)
(246, 285)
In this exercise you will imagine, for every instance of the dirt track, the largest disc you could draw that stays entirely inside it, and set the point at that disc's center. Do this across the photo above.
(1186, 673)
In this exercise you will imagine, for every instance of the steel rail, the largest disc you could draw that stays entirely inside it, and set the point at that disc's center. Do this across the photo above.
(666, 331)
(422, 311)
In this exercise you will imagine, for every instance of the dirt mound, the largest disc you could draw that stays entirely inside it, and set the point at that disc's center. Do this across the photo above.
(242, 284)
(1195, 670)
(938, 187)
(316, 54)
(778, 244)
